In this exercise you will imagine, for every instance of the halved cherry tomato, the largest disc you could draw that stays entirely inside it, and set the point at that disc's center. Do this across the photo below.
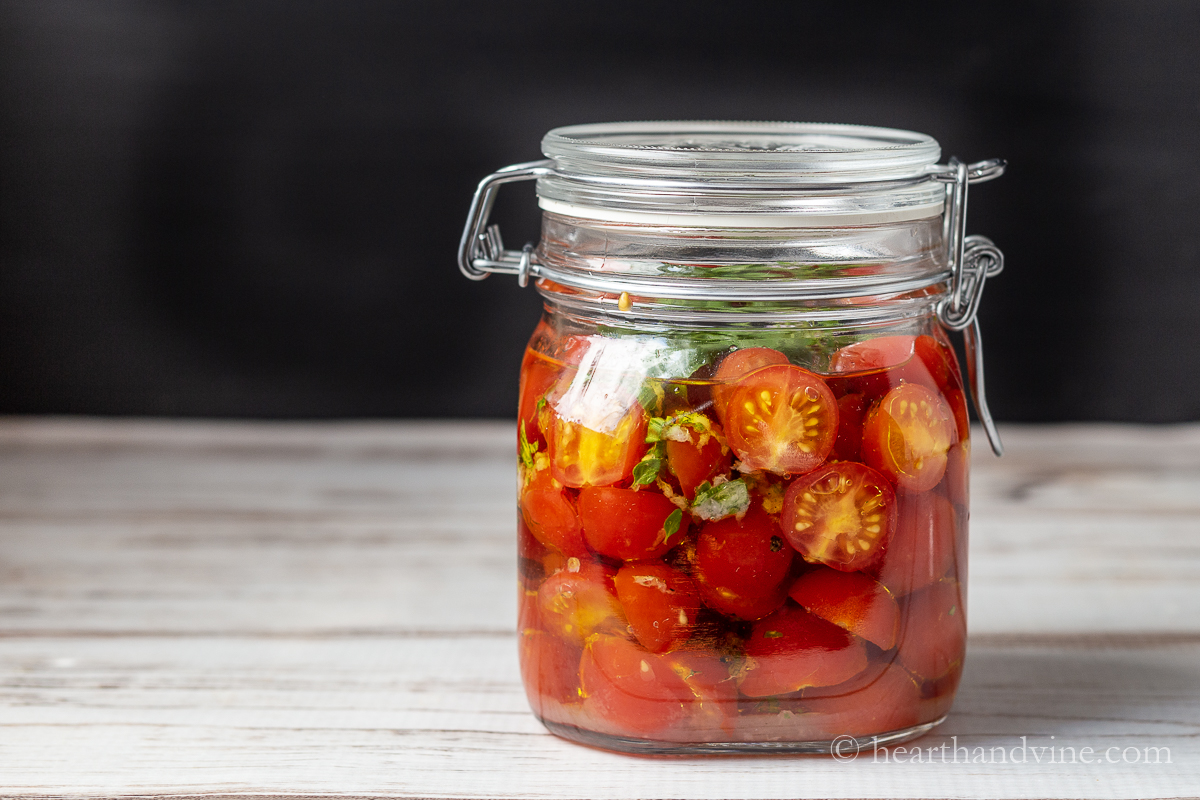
(693, 464)
(840, 515)
(660, 603)
(735, 366)
(551, 516)
(907, 435)
(549, 668)
(581, 456)
(850, 600)
(740, 565)
(891, 701)
(851, 408)
(634, 691)
(782, 419)
(933, 635)
(628, 524)
(578, 601)
(793, 649)
(923, 547)
(882, 352)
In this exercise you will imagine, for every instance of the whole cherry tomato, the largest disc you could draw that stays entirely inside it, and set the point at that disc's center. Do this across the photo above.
(629, 524)
(851, 408)
(890, 701)
(781, 419)
(907, 435)
(850, 600)
(840, 515)
(636, 692)
(933, 636)
(550, 515)
(792, 649)
(923, 548)
(740, 566)
(660, 603)
(736, 365)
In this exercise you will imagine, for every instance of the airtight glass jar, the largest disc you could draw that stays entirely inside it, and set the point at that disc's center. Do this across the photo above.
(743, 439)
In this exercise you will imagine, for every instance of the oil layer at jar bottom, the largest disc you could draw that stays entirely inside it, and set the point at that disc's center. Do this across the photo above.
(756, 557)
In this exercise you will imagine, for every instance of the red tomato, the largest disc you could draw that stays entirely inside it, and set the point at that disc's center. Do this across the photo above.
(851, 408)
(955, 484)
(793, 649)
(693, 464)
(883, 352)
(782, 419)
(635, 692)
(907, 435)
(528, 547)
(736, 365)
(626, 523)
(707, 674)
(550, 515)
(889, 702)
(578, 601)
(850, 600)
(540, 372)
(933, 637)
(922, 548)
(660, 603)
(841, 515)
(549, 668)
(580, 456)
(938, 357)
(740, 565)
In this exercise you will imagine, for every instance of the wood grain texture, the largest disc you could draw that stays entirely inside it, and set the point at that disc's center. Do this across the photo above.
(238, 609)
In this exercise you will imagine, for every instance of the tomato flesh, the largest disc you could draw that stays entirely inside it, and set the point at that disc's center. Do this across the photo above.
(740, 565)
(889, 702)
(627, 523)
(660, 603)
(736, 365)
(782, 419)
(581, 456)
(840, 515)
(851, 409)
(850, 600)
(549, 668)
(908, 435)
(792, 649)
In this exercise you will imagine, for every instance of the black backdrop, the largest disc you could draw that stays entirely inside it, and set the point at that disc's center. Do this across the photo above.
(252, 208)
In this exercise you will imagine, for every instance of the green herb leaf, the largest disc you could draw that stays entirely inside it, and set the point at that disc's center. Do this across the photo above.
(671, 523)
(723, 500)
(646, 471)
(651, 397)
(528, 450)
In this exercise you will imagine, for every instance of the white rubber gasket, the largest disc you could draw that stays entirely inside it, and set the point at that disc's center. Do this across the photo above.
(906, 214)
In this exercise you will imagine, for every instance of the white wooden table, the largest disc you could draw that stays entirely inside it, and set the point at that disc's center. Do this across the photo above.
(248, 609)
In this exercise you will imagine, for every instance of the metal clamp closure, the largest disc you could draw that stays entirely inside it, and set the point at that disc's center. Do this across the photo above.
(481, 250)
(972, 260)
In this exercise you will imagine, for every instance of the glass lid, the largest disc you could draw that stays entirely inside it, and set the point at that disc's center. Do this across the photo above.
(606, 171)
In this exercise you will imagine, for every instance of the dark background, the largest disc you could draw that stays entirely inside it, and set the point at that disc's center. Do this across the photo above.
(252, 208)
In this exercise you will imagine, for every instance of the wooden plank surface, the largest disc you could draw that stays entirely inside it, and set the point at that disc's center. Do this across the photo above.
(251, 609)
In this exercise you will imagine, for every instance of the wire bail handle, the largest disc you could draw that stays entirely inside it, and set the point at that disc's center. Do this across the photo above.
(481, 250)
(972, 260)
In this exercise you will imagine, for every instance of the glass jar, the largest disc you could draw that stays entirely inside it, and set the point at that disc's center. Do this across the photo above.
(743, 439)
